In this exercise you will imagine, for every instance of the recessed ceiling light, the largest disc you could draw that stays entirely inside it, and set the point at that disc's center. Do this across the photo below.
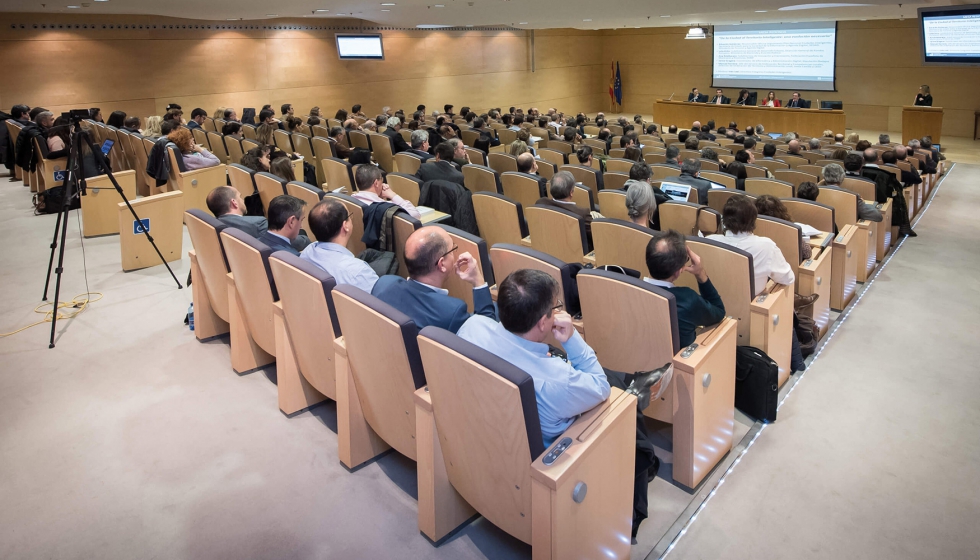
(664, 16)
(387, 3)
(440, 5)
(522, 23)
(271, 15)
(761, 11)
(469, 26)
(820, 6)
(432, 26)
(73, 7)
(323, 10)
(586, 20)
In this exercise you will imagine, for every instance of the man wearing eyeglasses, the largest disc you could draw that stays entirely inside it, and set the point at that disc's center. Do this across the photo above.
(331, 222)
(431, 259)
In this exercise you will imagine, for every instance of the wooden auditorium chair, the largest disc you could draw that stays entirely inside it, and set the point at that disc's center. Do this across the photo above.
(502, 163)
(522, 187)
(309, 194)
(477, 248)
(356, 209)
(196, 184)
(406, 186)
(209, 274)
(480, 178)
(339, 174)
(612, 203)
(845, 213)
(500, 219)
(885, 232)
(305, 325)
(621, 243)
(407, 163)
(717, 198)
(773, 187)
(251, 297)
(557, 232)
(689, 218)
(269, 186)
(700, 403)
(480, 448)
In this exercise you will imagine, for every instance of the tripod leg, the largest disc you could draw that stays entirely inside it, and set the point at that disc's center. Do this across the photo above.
(54, 245)
(58, 271)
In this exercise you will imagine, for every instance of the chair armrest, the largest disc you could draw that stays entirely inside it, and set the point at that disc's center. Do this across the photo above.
(277, 310)
(423, 399)
(591, 428)
(208, 174)
(340, 347)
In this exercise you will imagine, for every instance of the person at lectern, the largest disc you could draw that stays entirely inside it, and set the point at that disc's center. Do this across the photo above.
(743, 97)
(720, 99)
(797, 101)
(697, 97)
(771, 100)
(923, 98)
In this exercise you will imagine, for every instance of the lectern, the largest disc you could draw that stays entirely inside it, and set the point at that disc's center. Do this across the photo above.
(921, 121)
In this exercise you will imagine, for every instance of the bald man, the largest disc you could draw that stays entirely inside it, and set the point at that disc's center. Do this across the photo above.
(527, 164)
(431, 259)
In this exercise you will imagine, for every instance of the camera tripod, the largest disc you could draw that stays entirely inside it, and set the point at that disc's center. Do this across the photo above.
(75, 186)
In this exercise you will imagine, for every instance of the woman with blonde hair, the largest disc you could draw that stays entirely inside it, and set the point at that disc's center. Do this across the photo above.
(517, 147)
(152, 130)
(219, 113)
(195, 156)
(263, 134)
(853, 138)
(283, 168)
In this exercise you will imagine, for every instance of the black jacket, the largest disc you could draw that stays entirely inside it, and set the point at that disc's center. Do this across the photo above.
(398, 143)
(453, 199)
(439, 171)
(158, 164)
(379, 231)
(24, 150)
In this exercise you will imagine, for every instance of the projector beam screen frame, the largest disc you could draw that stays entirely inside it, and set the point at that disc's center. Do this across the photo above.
(355, 43)
(946, 11)
(824, 80)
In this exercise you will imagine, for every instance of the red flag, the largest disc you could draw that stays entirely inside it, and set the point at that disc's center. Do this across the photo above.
(612, 81)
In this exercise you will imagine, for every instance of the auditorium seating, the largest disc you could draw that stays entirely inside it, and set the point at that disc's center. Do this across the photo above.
(477, 248)
(480, 178)
(500, 219)
(356, 209)
(700, 401)
(251, 295)
(621, 243)
(194, 184)
(269, 187)
(557, 232)
(845, 213)
(689, 218)
(774, 187)
(311, 195)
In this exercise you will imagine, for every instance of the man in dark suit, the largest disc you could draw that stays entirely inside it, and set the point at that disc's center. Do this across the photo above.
(797, 102)
(527, 164)
(690, 170)
(667, 258)
(398, 143)
(479, 125)
(562, 186)
(720, 99)
(285, 218)
(420, 144)
(227, 204)
(198, 116)
(584, 155)
(442, 167)
(338, 140)
(910, 177)
(431, 259)
(696, 97)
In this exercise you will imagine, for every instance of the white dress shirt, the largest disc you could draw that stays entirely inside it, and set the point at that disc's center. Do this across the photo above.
(767, 260)
(371, 198)
(340, 263)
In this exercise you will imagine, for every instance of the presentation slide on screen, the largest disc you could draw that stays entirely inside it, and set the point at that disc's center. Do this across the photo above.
(952, 36)
(775, 56)
(360, 46)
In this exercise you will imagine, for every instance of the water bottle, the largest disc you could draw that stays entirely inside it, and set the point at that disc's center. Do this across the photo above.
(190, 316)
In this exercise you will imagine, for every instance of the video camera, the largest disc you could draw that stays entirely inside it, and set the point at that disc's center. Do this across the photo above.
(76, 115)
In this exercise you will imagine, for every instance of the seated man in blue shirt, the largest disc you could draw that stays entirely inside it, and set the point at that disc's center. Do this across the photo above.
(431, 258)
(667, 258)
(331, 221)
(564, 387)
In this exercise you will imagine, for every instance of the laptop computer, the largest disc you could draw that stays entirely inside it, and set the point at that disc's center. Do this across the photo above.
(715, 185)
(107, 147)
(775, 135)
(676, 191)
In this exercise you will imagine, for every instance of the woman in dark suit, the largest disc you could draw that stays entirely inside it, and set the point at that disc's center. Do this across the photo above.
(771, 100)
(743, 97)
(924, 98)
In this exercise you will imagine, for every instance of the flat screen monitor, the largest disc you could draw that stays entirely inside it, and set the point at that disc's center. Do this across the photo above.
(775, 56)
(360, 47)
(838, 105)
(950, 35)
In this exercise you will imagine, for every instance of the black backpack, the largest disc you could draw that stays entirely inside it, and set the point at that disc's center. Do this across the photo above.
(52, 200)
(756, 383)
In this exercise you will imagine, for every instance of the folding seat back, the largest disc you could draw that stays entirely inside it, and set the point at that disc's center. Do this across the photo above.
(201, 137)
(502, 163)
(774, 187)
(218, 148)
(126, 143)
(235, 149)
(248, 260)
(248, 131)
(319, 131)
(664, 172)
(358, 139)
(547, 169)
(772, 165)
(145, 185)
(406, 134)
(795, 177)
(614, 180)
(612, 203)
(219, 124)
(339, 174)
(485, 414)
(521, 187)
(700, 401)
(826, 162)
(500, 219)
(195, 184)
(116, 154)
(813, 156)
(385, 375)
(477, 247)
(709, 164)
(404, 225)
(617, 153)
(478, 157)
(615, 129)
(322, 148)
(621, 243)
(209, 125)
(356, 209)
(731, 274)
(862, 186)
(242, 179)
(598, 146)
(585, 175)
(591, 130)
(755, 171)
(689, 218)
(844, 203)
(469, 137)
(508, 258)
(333, 122)
(718, 197)
(787, 235)
(311, 195)
(407, 163)
(688, 154)
(557, 232)
(541, 133)
(813, 214)
(382, 152)
(815, 170)
(46, 168)
(655, 158)
(506, 136)
(209, 271)
(269, 187)
(551, 156)
(311, 324)
(559, 146)
(405, 186)
(794, 161)
(479, 178)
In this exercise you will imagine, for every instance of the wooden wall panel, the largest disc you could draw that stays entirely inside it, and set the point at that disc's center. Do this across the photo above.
(140, 71)
(878, 70)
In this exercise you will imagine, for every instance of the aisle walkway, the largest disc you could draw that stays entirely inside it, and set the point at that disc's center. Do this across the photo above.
(876, 453)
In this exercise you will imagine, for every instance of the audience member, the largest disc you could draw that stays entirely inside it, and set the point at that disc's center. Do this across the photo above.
(116, 119)
(232, 129)
(257, 159)
(738, 217)
(330, 221)
(737, 170)
(420, 145)
(526, 163)
(667, 257)
(338, 140)
(671, 156)
(372, 189)
(768, 205)
(398, 143)
(194, 155)
(833, 176)
(690, 175)
(132, 124)
(562, 187)
(641, 203)
(632, 153)
(282, 167)
(198, 116)
(430, 258)
(441, 167)
(285, 219)
(227, 204)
